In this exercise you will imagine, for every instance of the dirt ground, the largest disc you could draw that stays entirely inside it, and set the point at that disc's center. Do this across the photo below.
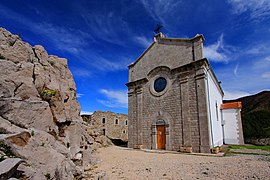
(122, 163)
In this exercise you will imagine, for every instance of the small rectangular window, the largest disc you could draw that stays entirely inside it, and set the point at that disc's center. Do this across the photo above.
(126, 122)
(116, 121)
(104, 132)
(103, 120)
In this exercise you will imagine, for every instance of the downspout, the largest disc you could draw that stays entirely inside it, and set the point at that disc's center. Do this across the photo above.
(209, 110)
(222, 125)
(193, 53)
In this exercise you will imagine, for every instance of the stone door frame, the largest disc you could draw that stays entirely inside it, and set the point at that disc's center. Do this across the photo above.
(158, 122)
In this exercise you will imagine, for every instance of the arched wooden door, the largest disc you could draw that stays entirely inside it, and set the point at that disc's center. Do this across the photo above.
(161, 137)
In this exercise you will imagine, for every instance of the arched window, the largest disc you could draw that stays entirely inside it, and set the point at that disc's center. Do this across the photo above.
(116, 121)
(126, 122)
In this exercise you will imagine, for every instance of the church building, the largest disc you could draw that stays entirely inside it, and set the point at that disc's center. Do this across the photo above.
(175, 99)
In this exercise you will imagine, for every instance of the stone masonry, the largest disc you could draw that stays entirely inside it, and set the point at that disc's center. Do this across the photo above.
(113, 125)
(181, 107)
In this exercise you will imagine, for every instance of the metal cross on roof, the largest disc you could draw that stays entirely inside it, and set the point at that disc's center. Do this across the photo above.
(157, 29)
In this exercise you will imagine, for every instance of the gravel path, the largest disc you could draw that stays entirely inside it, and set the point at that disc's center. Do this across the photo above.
(121, 163)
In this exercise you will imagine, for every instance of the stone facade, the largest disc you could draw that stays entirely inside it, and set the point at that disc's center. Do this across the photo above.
(181, 106)
(113, 125)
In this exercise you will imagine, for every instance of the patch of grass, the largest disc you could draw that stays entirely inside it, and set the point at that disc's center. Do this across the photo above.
(6, 149)
(265, 148)
(48, 176)
(2, 57)
(246, 153)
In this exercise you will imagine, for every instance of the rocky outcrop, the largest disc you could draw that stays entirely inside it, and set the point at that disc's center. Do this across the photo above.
(39, 113)
(8, 167)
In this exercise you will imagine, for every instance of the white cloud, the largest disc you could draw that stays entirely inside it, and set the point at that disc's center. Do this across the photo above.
(258, 9)
(235, 70)
(78, 95)
(86, 113)
(115, 99)
(266, 75)
(216, 52)
(230, 95)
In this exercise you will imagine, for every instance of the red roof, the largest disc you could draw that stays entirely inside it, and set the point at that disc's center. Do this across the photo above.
(232, 105)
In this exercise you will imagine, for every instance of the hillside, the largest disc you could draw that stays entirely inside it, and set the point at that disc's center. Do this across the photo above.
(256, 115)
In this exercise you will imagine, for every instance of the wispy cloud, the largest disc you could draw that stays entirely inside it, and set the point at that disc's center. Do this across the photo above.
(63, 38)
(258, 49)
(111, 65)
(78, 95)
(266, 75)
(230, 95)
(258, 9)
(217, 52)
(235, 70)
(160, 10)
(81, 72)
(262, 64)
(107, 27)
(114, 98)
(143, 41)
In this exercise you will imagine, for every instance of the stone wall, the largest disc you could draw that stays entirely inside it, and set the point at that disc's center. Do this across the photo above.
(114, 125)
(182, 105)
(183, 108)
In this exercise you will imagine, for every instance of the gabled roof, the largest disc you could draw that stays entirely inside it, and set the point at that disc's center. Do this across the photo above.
(160, 37)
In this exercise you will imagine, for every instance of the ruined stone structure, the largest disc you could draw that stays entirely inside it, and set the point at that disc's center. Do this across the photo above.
(174, 97)
(113, 125)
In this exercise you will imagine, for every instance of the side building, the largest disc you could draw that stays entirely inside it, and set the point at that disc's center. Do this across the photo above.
(113, 125)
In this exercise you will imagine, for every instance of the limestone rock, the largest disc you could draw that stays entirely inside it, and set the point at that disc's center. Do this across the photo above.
(8, 167)
(27, 113)
(39, 113)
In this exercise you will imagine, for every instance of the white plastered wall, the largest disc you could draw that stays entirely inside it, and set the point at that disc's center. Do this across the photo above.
(214, 113)
(231, 129)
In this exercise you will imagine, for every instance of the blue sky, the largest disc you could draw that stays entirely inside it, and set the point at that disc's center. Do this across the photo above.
(100, 38)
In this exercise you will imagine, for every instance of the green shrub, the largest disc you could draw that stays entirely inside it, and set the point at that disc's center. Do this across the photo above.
(52, 63)
(46, 94)
(2, 57)
(6, 149)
